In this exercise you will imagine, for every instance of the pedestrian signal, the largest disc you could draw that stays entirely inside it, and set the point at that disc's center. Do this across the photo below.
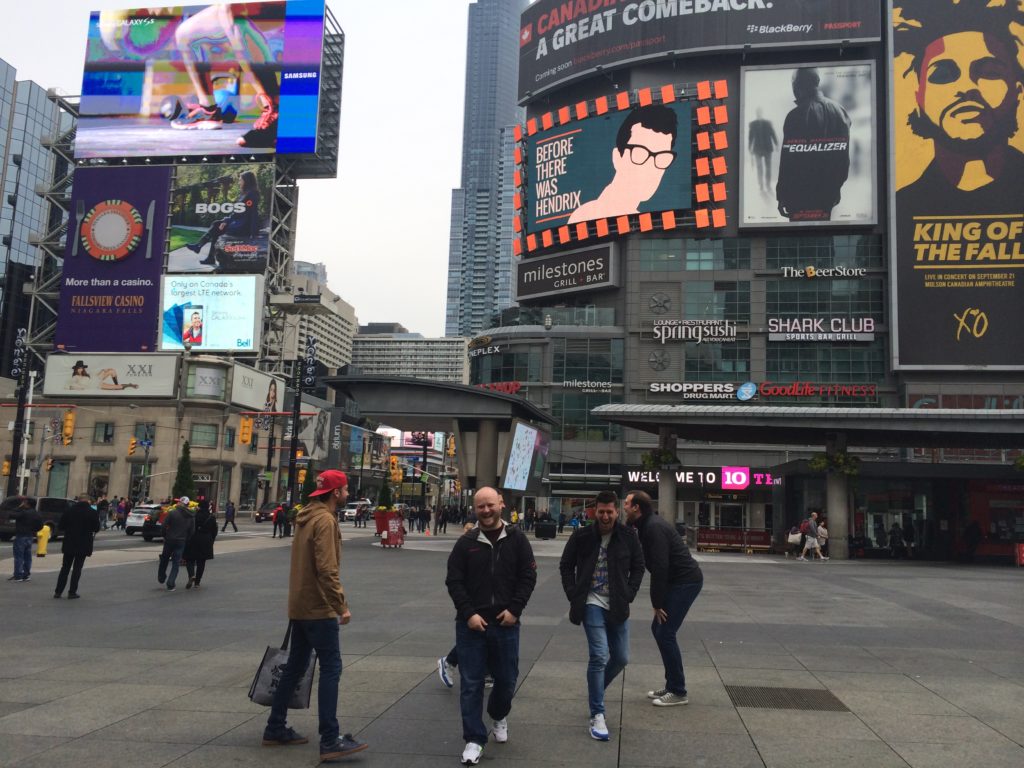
(131, 446)
(245, 430)
(7, 468)
(68, 430)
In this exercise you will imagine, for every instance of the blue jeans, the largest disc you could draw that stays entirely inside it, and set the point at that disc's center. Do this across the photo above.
(23, 556)
(609, 653)
(495, 649)
(172, 552)
(320, 635)
(677, 603)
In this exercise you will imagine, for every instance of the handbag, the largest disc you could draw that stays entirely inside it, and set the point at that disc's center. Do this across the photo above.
(268, 676)
(794, 538)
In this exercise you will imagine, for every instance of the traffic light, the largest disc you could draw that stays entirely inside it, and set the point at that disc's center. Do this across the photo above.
(396, 470)
(49, 465)
(68, 430)
(451, 445)
(132, 443)
(245, 430)
(299, 453)
(302, 476)
(7, 468)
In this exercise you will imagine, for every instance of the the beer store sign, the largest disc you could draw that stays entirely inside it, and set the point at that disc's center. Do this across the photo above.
(696, 331)
(566, 273)
(836, 273)
(821, 329)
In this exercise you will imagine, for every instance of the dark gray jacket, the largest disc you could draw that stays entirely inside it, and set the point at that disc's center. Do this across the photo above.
(179, 525)
(625, 570)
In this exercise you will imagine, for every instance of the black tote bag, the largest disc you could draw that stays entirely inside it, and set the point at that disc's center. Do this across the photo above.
(269, 675)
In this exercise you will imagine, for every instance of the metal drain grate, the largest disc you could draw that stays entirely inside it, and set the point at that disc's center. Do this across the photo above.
(763, 697)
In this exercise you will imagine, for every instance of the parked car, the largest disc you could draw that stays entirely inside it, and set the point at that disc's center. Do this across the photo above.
(353, 508)
(137, 518)
(266, 511)
(153, 523)
(50, 508)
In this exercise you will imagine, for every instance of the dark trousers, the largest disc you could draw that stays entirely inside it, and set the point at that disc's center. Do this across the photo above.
(677, 604)
(278, 527)
(320, 635)
(23, 555)
(171, 554)
(71, 564)
(196, 569)
(230, 522)
(496, 649)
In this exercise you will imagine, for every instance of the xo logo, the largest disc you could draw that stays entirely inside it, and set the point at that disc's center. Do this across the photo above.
(972, 321)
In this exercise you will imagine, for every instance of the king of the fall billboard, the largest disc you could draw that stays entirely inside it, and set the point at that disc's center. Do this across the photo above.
(958, 173)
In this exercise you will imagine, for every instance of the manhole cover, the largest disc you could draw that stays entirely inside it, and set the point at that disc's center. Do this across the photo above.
(764, 697)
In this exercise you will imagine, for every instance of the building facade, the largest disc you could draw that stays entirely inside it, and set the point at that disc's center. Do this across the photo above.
(411, 355)
(334, 325)
(480, 254)
(732, 289)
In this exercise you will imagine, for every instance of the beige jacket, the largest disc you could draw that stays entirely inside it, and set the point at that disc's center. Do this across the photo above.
(314, 589)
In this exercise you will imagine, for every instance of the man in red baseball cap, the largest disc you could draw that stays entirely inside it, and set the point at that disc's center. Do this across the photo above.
(316, 607)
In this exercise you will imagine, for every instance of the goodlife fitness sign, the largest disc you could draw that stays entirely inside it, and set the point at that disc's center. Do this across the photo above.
(566, 273)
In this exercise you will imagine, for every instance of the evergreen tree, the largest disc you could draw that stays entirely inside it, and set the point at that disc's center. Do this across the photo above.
(384, 499)
(308, 485)
(184, 485)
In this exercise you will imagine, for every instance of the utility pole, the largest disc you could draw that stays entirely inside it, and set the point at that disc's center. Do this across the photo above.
(305, 376)
(268, 475)
(19, 371)
(147, 443)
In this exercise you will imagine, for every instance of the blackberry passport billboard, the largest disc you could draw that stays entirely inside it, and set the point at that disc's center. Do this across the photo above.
(220, 218)
(110, 285)
(958, 173)
(563, 40)
(809, 136)
(202, 80)
(602, 167)
(571, 272)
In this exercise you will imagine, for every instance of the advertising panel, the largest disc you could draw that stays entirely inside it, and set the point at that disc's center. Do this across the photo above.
(562, 41)
(809, 136)
(315, 432)
(115, 376)
(256, 390)
(569, 272)
(609, 166)
(212, 313)
(110, 286)
(207, 381)
(202, 80)
(220, 218)
(958, 181)
(527, 456)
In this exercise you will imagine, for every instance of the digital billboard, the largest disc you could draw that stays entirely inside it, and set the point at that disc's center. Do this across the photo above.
(527, 456)
(110, 376)
(212, 313)
(256, 390)
(562, 41)
(202, 80)
(957, 165)
(315, 432)
(220, 218)
(110, 285)
(808, 133)
(609, 166)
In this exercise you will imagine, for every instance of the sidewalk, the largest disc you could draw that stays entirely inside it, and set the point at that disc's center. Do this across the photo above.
(897, 664)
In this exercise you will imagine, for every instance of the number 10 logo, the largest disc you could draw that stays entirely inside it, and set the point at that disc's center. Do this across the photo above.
(735, 478)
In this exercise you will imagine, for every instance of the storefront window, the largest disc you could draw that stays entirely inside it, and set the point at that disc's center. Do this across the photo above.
(718, 362)
(824, 363)
(572, 410)
(103, 433)
(522, 364)
(99, 478)
(203, 436)
(224, 489)
(717, 300)
(839, 250)
(57, 484)
(588, 360)
(863, 297)
(248, 494)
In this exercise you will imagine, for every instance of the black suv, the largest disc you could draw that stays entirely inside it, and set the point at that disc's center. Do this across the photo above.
(50, 508)
(266, 511)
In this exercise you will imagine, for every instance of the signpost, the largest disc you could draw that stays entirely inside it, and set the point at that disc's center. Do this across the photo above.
(305, 377)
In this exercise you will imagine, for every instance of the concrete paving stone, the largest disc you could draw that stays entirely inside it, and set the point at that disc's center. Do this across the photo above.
(772, 722)
(31, 691)
(414, 666)
(935, 729)
(754, 661)
(829, 663)
(171, 726)
(392, 682)
(772, 678)
(250, 733)
(786, 752)
(425, 707)
(920, 702)
(664, 748)
(761, 648)
(692, 718)
(866, 681)
(108, 754)
(528, 712)
(216, 756)
(14, 747)
(1012, 727)
(216, 699)
(958, 755)
(81, 713)
(562, 688)
(402, 736)
(365, 703)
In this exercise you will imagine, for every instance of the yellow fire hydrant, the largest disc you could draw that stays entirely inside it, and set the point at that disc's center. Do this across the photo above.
(42, 539)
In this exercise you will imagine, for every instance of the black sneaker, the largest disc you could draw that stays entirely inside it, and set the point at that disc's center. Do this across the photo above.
(191, 581)
(72, 596)
(283, 738)
(200, 118)
(342, 747)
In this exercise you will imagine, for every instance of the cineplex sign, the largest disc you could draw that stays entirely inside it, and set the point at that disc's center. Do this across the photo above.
(567, 273)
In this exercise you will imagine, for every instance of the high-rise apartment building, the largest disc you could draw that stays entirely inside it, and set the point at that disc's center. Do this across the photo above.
(411, 355)
(480, 249)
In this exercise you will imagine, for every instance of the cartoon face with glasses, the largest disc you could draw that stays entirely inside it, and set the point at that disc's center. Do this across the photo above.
(642, 154)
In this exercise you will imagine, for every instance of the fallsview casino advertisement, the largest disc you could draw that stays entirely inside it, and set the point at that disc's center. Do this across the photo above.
(958, 171)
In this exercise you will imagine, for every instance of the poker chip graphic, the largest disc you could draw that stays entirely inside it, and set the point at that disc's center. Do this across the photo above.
(111, 230)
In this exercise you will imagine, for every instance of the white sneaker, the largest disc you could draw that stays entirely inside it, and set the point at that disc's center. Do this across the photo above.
(598, 728)
(500, 730)
(657, 694)
(801, 558)
(823, 557)
(671, 700)
(445, 671)
(471, 754)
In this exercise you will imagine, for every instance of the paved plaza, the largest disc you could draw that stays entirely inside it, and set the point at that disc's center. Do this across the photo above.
(896, 664)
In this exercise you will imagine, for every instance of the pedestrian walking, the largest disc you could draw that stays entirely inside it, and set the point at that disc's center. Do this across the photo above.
(491, 575)
(27, 522)
(179, 525)
(79, 525)
(809, 528)
(278, 520)
(602, 567)
(895, 540)
(199, 548)
(676, 580)
(229, 517)
(103, 510)
(823, 538)
(316, 608)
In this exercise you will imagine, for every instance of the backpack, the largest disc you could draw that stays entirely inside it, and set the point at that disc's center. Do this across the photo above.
(805, 527)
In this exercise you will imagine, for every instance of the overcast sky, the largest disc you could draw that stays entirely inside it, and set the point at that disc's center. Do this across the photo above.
(382, 227)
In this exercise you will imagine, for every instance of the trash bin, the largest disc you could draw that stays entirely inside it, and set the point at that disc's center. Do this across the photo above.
(380, 519)
(394, 535)
(545, 529)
